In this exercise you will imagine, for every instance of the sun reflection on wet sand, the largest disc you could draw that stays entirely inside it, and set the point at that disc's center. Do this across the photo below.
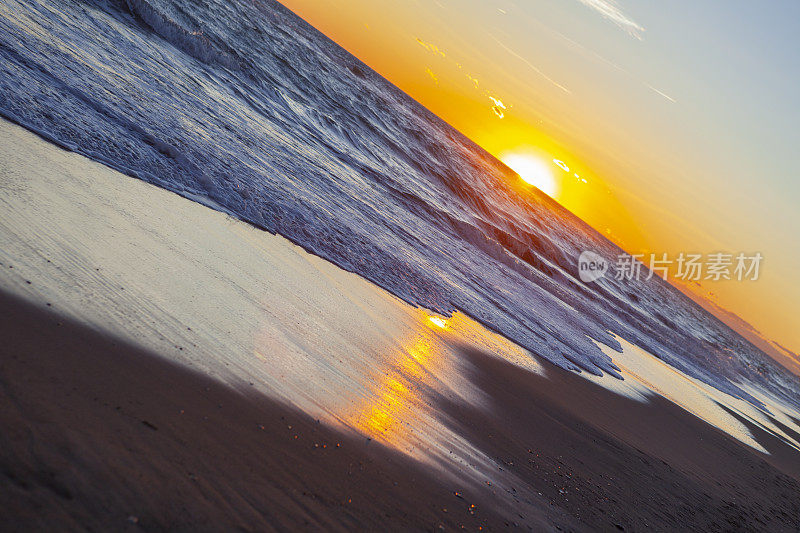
(437, 321)
(401, 410)
(392, 414)
(385, 374)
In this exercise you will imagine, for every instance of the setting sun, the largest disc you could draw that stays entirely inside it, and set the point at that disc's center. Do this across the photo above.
(534, 171)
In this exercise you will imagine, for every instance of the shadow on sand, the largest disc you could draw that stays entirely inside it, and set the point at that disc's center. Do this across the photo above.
(98, 434)
(617, 463)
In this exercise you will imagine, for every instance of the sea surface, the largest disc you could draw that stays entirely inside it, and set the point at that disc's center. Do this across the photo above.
(242, 106)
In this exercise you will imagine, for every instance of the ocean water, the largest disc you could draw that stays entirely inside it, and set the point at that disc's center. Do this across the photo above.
(242, 106)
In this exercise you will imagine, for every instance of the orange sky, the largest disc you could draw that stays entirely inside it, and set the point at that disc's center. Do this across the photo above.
(661, 167)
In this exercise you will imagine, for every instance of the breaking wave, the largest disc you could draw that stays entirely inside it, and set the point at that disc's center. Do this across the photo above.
(243, 106)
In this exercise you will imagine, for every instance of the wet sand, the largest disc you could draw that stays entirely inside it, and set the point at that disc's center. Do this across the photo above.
(99, 434)
(615, 461)
(164, 367)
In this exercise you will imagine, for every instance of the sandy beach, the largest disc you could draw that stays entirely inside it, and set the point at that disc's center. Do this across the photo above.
(165, 367)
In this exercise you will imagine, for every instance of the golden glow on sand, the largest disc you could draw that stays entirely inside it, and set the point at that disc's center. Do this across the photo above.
(396, 408)
(437, 321)
(534, 171)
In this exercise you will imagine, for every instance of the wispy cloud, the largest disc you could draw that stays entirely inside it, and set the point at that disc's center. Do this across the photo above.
(611, 10)
(578, 47)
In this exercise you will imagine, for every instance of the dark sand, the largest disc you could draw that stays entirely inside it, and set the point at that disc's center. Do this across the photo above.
(97, 434)
(612, 461)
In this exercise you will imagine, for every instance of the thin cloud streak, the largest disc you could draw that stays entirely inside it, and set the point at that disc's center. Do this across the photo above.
(579, 48)
(668, 97)
(611, 11)
(531, 65)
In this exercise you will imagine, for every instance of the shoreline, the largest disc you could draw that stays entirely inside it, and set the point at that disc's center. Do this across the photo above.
(118, 294)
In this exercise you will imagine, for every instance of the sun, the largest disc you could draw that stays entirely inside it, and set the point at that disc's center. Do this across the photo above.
(534, 171)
